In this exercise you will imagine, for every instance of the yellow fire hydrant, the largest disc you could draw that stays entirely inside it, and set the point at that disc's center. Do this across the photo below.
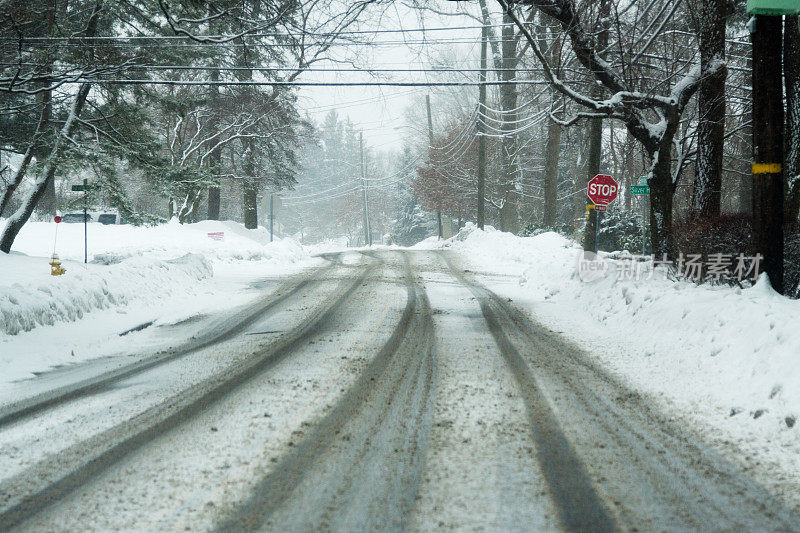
(55, 266)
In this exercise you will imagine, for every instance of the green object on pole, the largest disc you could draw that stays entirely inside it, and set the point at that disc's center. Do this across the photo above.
(773, 7)
(78, 188)
(640, 189)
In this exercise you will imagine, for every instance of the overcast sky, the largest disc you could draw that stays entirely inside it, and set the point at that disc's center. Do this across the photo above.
(380, 111)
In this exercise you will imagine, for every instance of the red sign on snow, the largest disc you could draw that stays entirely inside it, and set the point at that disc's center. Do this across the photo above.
(57, 219)
(602, 190)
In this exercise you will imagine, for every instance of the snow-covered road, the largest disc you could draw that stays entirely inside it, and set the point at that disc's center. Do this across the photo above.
(383, 390)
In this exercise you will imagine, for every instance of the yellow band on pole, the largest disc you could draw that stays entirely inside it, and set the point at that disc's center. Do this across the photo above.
(767, 168)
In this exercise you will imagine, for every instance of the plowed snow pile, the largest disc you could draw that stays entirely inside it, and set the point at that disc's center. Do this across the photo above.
(42, 299)
(126, 264)
(727, 358)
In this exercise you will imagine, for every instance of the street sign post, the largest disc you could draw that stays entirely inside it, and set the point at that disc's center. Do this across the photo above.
(643, 189)
(601, 190)
(85, 188)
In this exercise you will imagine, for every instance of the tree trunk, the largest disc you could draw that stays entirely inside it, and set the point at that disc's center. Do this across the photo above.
(662, 192)
(213, 203)
(215, 158)
(592, 169)
(791, 72)
(596, 133)
(21, 216)
(47, 203)
(711, 110)
(553, 148)
(509, 213)
(250, 197)
(250, 206)
(579, 200)
(552, 152)
(628, 168)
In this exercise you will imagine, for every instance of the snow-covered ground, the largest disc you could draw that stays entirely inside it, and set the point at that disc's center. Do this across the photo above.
(724, 360)
(720, 360)
(161, 274)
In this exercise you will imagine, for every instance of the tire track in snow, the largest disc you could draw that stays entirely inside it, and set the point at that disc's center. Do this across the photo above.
(360, 468)
(578, 504)
(657, 476)
(46, 482)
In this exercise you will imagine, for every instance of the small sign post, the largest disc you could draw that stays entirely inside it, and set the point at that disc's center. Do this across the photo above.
(643, 189)
(85, 188)
(601, 190)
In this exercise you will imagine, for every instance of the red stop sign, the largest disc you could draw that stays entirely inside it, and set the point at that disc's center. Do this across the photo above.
(57, 219)
(602, 189)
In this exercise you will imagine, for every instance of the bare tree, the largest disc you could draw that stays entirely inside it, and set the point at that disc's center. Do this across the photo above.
(651, 114)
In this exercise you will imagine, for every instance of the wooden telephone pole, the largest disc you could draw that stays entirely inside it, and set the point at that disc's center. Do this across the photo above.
(767, 170)
(430, 142)
(367, 232)
(481, 125)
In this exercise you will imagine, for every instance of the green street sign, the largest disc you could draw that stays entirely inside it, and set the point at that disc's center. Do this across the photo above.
(773, 7)
(640, 189)
(83, 188)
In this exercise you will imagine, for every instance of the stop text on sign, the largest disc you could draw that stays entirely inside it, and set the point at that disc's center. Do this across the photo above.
(602, 190)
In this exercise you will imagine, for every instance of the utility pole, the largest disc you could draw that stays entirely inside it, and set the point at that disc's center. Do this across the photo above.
(430, 143)
(215, 157)
(481, 126)
(767, 168)
(271, 216)
(367, 232)
(85, 220)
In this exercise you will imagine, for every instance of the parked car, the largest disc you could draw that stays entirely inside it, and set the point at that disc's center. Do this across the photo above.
(108, 218)
(73, 218)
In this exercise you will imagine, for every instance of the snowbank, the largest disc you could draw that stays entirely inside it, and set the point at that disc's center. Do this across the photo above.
(730, 352)
(42, 299)
(113, 243)
(126, 264)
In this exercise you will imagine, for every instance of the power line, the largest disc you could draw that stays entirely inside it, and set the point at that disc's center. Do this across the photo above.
(254, 35)
(282, 83)
(354, 70)
(75, 42)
